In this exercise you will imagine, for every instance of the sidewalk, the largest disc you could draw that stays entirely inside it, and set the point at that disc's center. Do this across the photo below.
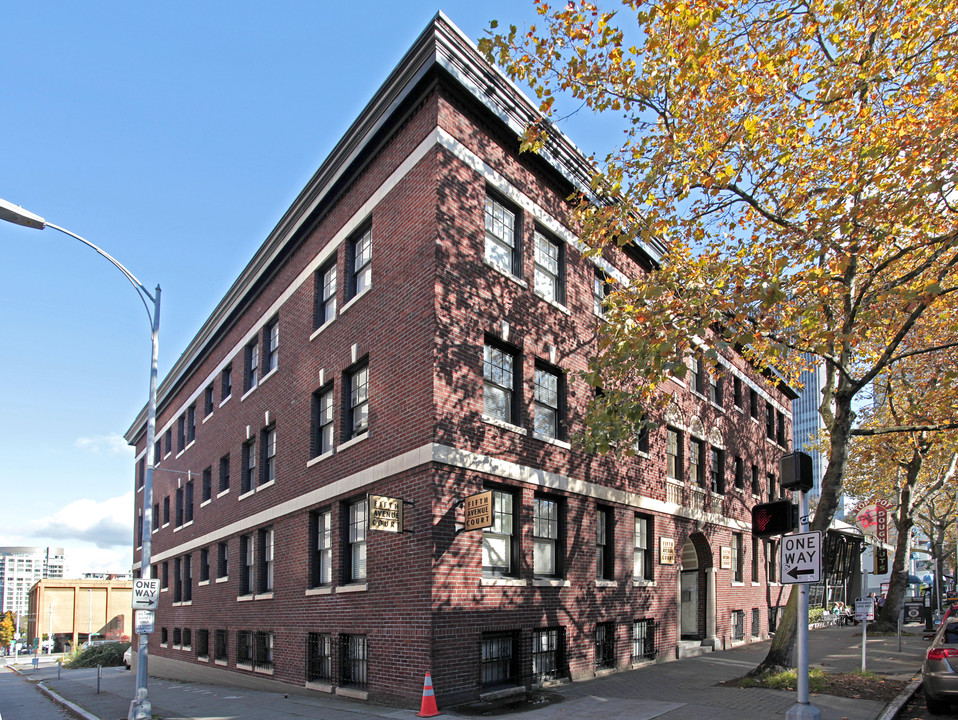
(684, 689)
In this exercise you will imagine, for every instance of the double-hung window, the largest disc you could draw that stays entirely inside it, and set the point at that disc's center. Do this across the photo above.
(548, 267)
(356, 541)
(769, 421)
(716, 389)
(246, 569)
(547, 543)
(190, 424)
(357, 389)
(268, 473)
(222, 560)
(321, 553)
(226, 382)
(325, 293)
(251, 376)
(181, 434)
(188, 509)
(360, 262)
(604, 545)
(717, 470)
(642, 549)
(498, 540)
(205, 565)
(547, 399)
(696, 375)
(208, 401)
(267, 537)
(738, 574)
(600, 291)
(673, 454)
(502, 246)
(696, 471)
(224, 473)
(499, 383)
(180, 507)
(270, 346)
(323, 438)
(739, 473)
(248, 480)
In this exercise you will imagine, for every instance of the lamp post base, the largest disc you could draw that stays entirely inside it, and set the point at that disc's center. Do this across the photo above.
(140, 708)
(803, 711)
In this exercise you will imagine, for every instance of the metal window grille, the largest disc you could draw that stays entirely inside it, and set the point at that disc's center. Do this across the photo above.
(604, 646)
(738, 624)
(177, 637)
(221, 646)
(187, 638)
(319, 657)
(756, 630)
(354, 657)
(772, 619)
(547, 654)
(498, 665)
(643, 640)
(264, 651)
(203, 643)
(244, 647)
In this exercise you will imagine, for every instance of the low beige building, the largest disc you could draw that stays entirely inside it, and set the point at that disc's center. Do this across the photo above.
(75, 611)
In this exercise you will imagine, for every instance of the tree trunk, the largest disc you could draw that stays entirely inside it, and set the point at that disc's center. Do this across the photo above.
(780, 652)
(888, 618)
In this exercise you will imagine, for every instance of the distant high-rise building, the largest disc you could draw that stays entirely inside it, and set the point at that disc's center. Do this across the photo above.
(20, 568)
(806, 426)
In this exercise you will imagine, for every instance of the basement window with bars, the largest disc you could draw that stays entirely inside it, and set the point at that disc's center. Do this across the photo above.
(605, 646)
(319, 657)
(203, 644)
(756, 619)
(547, 654)
(498, 667)
(221, 646)
(355, 658)
(738, 625)
(244, 649)
(264, 651)
(643, 640)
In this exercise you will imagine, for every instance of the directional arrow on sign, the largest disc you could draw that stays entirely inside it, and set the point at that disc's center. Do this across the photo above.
(795, 573)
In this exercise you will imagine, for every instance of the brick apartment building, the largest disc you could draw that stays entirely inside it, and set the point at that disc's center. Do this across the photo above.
(412, 329)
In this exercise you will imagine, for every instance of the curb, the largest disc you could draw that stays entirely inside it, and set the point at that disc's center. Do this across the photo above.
(66, 703)
(894, 707)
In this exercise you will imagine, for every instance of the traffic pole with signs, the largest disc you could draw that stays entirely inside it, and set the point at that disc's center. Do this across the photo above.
(801, 563)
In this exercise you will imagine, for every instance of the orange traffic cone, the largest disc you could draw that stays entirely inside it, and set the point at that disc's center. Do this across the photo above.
(429, 708)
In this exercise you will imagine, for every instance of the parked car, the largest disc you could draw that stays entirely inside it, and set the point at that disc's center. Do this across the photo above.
(128, 658)
(940, 669)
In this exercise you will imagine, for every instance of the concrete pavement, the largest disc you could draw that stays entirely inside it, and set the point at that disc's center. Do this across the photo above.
(685, 689)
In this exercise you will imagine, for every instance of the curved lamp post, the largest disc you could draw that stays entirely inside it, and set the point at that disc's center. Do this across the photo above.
(140, 708)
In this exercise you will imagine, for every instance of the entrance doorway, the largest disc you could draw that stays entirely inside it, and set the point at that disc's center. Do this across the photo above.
(690, 592)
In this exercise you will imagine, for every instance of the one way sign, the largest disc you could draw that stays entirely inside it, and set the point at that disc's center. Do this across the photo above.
(146, 593)
(801, 558)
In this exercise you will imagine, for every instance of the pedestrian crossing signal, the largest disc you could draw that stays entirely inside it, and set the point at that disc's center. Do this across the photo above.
(774, 518)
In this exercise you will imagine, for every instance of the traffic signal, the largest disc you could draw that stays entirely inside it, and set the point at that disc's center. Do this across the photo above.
(795, 469)
(881, 561)
(774, 518)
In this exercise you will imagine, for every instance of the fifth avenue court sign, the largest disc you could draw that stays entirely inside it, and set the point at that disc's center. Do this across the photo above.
(801, 558)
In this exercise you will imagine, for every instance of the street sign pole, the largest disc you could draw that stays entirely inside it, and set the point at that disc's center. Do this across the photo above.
(803, 709)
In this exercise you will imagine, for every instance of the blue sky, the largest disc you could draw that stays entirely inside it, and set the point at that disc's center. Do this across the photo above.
(174, 135)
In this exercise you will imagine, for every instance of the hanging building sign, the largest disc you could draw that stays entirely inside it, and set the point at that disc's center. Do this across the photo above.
(478, 511)
(385, 514)
(872, 517)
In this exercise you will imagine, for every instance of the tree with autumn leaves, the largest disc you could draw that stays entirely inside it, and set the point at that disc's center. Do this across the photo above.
(797, 163)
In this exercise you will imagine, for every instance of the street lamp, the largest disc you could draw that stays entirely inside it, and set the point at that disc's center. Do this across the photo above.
(140, 708)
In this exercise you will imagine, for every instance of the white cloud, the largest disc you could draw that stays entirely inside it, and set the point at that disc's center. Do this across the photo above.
(113, 445)
(102, 523)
